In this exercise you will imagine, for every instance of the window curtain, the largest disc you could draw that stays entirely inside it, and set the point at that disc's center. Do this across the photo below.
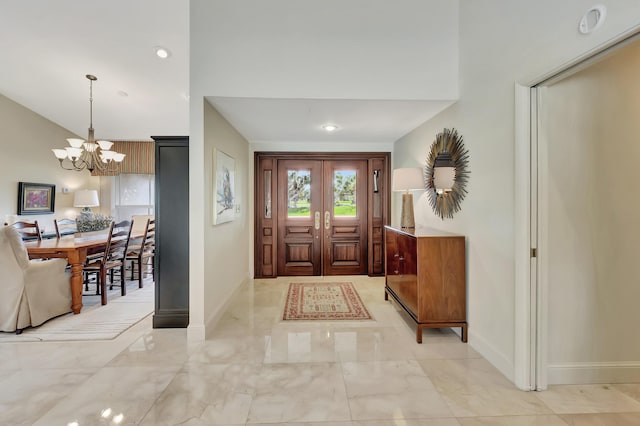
(140, 158)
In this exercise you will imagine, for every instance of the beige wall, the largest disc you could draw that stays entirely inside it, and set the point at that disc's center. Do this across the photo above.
(226, 246)
(27, 139)
(591, 157)
(501, 43)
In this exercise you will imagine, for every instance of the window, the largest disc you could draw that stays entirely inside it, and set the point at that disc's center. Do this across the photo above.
(133, 194)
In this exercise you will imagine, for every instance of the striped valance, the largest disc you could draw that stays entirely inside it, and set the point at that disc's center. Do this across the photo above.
(140, 158)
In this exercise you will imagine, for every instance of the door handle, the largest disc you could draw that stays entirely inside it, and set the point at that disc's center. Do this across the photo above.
(317, 220)
(327, 220)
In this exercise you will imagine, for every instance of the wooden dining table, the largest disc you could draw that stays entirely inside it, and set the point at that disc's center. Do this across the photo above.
(75, 249)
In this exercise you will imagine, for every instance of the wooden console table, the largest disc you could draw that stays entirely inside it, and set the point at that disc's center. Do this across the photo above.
(425, 274)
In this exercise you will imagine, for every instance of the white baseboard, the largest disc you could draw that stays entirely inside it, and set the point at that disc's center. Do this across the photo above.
(195, 333)
(215, 316)
(491, 354)
(593, 372)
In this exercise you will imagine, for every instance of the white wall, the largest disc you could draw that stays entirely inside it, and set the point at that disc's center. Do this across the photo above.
(360, 49)
(227, 244)
(590, 205)
(501, 42)
(27, 139)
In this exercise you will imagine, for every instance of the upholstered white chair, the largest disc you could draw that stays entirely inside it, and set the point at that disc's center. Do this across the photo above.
(31, 292)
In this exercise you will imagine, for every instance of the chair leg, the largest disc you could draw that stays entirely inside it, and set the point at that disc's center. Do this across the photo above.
(140, 272)
(123, 284)
(97, 282)
(103, 286)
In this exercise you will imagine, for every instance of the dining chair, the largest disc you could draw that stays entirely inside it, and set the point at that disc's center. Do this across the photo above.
(31, 291)
(145, 250)
(122, 227)
(112, 258)
(65, 226)
(27, 230)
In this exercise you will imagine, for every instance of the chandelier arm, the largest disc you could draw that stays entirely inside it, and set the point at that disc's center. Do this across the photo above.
(75, 169)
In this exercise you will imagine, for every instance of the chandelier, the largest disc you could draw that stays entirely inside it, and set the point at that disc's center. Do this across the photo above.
(92, 154)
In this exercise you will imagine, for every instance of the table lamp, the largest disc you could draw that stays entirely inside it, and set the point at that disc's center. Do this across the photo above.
(86, 198)
(407, 179)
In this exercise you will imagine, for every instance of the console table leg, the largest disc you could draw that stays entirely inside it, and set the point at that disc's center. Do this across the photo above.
(386, 295)
(419, 333)
(464, 333)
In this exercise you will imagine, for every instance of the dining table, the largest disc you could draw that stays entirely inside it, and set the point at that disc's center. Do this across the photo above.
(75, 249)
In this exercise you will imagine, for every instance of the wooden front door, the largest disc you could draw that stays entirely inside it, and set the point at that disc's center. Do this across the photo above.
(322, 220)
(299, 195)
(320, 213)
(345, 217)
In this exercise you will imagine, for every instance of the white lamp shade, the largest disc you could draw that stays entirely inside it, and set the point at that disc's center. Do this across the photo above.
(86, 198)
(408, 179)
(105, 145)
(75, 142)
(60, 154)
(444, 178)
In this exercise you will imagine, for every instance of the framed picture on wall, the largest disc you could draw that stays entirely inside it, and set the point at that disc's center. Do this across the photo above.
(36, 198)
(224, 169)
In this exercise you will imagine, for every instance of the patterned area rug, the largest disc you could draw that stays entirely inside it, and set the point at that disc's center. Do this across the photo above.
(324, 301)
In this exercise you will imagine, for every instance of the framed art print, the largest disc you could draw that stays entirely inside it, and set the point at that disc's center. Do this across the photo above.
(224, 168)
(36, 198)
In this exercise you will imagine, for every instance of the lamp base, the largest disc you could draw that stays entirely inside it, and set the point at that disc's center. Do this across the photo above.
(407, 220)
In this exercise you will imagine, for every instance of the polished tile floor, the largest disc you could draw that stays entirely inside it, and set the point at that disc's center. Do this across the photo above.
(256, 369)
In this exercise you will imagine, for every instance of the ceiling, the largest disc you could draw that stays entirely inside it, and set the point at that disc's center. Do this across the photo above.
(49, 47)
(301, 120)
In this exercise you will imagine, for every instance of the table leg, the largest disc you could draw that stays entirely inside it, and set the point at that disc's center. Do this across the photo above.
(76, 260)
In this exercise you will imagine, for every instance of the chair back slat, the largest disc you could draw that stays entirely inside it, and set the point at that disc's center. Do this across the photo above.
(27, 230)
(118, 241)
(65, 226)
(149, 238)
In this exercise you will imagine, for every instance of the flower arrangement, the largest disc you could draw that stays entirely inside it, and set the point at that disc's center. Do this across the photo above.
(88, 222)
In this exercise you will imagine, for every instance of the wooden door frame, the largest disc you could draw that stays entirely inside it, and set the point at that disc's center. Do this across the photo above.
(266, 228)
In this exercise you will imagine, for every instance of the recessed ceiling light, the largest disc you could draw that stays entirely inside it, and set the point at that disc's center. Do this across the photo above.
(330, 127)
(162, 52)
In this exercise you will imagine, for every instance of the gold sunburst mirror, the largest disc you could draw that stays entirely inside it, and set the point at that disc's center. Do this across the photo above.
(446, 173)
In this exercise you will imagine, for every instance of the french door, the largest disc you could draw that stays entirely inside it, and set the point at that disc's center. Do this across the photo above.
(320, 213)
(322, 225)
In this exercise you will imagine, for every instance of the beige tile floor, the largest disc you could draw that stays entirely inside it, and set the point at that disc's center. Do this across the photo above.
(256, 369)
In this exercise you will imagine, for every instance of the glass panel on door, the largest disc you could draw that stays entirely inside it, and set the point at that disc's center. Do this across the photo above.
(299, 198)
(344, 193)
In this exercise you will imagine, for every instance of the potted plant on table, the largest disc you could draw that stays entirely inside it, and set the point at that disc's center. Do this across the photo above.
(89, 222)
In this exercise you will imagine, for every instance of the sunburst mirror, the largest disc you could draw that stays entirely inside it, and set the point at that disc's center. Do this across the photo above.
(446, 174)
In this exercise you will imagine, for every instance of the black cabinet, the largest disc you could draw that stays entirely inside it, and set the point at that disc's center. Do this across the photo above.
(172, 232)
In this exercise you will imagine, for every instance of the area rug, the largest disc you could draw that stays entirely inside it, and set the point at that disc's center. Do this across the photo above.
(324, 301)
(95, 322)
